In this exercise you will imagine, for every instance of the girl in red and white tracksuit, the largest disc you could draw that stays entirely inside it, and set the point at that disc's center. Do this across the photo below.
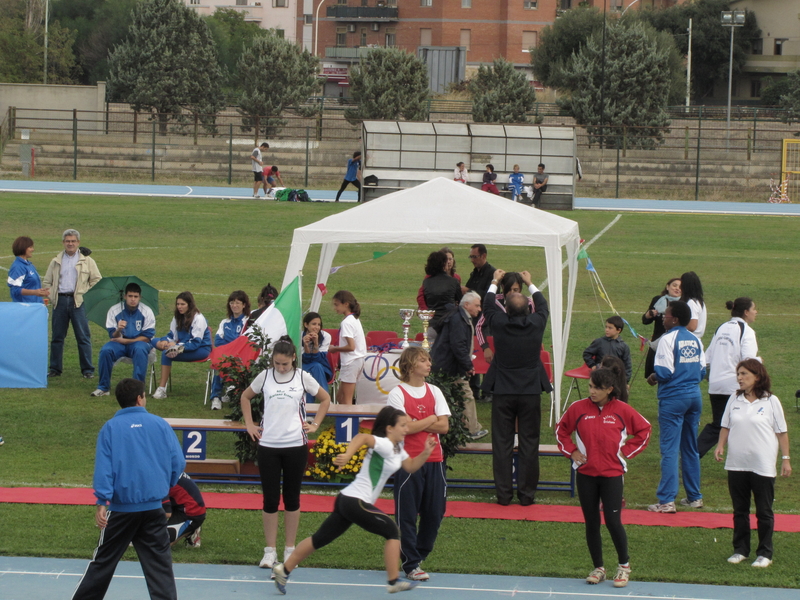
(602, 425)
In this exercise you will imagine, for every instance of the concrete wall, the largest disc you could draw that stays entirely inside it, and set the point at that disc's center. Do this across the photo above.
(58, 97)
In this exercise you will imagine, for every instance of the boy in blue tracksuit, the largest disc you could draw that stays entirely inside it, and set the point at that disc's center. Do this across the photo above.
(137, 461)
(679, 368)
(515, 183)
(131, 325)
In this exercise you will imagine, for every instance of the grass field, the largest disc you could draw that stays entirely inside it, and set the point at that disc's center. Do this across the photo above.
(212, 247)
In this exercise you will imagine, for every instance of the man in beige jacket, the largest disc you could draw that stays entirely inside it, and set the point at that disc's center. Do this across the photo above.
(69, 276)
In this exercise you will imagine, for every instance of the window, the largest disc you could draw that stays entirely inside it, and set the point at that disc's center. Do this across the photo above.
(566, 4)
(466, 36)
(280, 3)
(194, 2)
(363, 37)
(755, 88)
(426, 2)
(779, 45)
(341, 37)
(280, 33)
(757, 46)
(391, 3)
(616, 5)
(425, 37)
(308, 19)
(241, 2)
(364, 2)
(390, 37)
(466, 3)
(341, 2)
(529, 4)
(529, 39)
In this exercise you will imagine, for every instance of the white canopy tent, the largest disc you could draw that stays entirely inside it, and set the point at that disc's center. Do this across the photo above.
(441, 212)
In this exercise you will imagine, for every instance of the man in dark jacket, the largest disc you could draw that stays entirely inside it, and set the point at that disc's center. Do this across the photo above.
(516, 378)
(452, 354)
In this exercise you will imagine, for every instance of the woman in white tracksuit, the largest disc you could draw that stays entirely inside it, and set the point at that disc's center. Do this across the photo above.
(732, 343)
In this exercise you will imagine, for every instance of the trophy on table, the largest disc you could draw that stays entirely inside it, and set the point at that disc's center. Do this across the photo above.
(425, 316)
(406, 314)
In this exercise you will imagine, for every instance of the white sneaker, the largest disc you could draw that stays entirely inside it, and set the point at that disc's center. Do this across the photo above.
(160, 393)
(255, 195)
(417, 575)
(762, 562)
(287, 552)
(216, 404)
(735, 559)
(401, 586)
(269, 559)
(692, 503)
(667, 507)
(98, 392)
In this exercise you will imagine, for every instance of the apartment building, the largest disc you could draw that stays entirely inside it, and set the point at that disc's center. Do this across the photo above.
(280, 15)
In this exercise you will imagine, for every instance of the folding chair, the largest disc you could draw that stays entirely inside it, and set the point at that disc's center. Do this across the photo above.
(379, 338)
(333, 361)
(151, 366)
(582, 372)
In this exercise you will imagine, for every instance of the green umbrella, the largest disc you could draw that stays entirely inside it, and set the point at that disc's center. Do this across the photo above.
(110, 291)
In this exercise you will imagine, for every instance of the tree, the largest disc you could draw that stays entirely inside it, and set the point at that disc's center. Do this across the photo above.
(791, 99)
(557, 43)
(389, 84)
(773, 89)
(710, 40)
(633, 91)
(22, 45)
(274, 75)
(501, 94)
(232, 34)
(167, 63)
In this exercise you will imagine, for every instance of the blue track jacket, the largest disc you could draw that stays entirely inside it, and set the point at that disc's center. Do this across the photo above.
(140, 321)
(680, 364)
(229, 330)
(138, 460)
(197, 338)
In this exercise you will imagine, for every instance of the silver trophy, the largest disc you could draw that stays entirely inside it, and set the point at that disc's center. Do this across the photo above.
(425, 316)
(406, 314)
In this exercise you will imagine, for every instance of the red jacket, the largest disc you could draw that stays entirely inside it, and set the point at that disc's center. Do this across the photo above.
(602, 435)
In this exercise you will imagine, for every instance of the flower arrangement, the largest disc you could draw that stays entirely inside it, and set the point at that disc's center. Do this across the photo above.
(324, 451)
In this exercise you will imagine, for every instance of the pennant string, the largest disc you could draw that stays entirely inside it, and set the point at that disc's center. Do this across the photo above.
(375, 256)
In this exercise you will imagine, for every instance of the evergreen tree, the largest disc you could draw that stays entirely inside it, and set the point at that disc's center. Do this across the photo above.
(167, 63)
(232, 34)
(635, 91)
(274, 74)
(557, 43)
(389, 84)
(790, 100)
(501, 94)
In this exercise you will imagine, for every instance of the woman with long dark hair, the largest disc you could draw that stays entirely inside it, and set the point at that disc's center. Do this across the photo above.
(188, 340)
(654, 315)
(238, 309)
(754, 429)
(282, 438)
(316, 343)
(352, 344)
(692, 294)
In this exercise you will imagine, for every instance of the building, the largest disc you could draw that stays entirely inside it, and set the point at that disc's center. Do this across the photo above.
(340, 32)
(280, 15)
(776, 54)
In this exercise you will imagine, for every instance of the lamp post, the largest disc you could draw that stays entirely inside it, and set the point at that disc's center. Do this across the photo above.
(732, 19)
(316, 25)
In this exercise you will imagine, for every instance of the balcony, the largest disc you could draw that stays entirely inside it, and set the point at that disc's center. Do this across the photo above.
(362, 13)
(347, 54)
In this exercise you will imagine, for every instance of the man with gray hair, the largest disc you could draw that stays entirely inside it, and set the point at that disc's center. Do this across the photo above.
(452, 354)
(69, 276)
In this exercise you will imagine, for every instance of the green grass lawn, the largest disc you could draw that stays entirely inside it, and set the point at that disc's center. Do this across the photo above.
(212, 247)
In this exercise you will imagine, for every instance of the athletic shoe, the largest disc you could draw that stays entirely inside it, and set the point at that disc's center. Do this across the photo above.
(98, 392)
(398, 586)
(668, 507)
(160, 393)
(53, 374)
(255, 195)
(280, 576)
(287, 552)
(735, 559)
(269, 559)
(596, 576)
(87, 375)
(193, 541)
(479, 434)
(622, 576)
(2, 441)
(692, 503)
(216, 404)
(175, 350)
(418, 575)
(762, 562)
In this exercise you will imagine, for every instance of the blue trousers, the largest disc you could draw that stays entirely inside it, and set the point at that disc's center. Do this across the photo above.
(320, 375)
(678, 419)
(189, 356)
(113, 351)
(422, 493)
(64, 313)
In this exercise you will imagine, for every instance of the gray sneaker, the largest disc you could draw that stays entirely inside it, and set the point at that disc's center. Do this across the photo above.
(479, 434)
(98, 392)
(216, 404)
(668, 507)
(401, 585)
(280, 576)
(692, 503)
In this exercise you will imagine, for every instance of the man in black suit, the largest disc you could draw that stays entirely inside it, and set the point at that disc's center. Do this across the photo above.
(516, 378)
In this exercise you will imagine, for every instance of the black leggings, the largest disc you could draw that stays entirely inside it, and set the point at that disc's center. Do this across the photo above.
(355, 182)
(591, 490)
(348, 510)
(289, 462)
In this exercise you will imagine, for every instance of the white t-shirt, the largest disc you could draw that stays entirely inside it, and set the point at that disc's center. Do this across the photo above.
(397, 399)
(257, 168)
(733, 342)
(699, 313)
(351, 328)
(284, 407)
(752, 441)
(381, 462)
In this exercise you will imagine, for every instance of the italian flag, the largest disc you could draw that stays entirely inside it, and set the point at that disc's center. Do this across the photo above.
(284, 316)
